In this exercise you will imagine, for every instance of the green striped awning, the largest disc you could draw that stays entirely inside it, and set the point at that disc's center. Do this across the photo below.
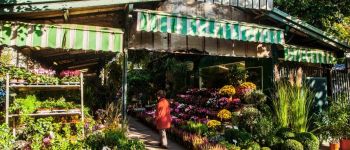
(155, 21)
(308, 55)
(61, 36)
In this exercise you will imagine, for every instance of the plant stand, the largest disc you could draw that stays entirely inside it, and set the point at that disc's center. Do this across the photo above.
(43, 87)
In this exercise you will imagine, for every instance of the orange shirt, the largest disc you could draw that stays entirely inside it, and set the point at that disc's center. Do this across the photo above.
(163, 117)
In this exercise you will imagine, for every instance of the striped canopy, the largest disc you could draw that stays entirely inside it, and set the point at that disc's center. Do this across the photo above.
(155, 21)
(308, 55)
(61, 36)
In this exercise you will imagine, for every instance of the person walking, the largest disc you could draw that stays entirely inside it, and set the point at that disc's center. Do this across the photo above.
(163, 117)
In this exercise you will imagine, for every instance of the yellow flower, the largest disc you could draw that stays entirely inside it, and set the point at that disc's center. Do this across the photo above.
(248, 85)
(227, 90)
(213, 123)
(224, 114)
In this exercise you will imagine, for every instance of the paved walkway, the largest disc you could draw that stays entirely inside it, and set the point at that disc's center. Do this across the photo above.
(149, 136)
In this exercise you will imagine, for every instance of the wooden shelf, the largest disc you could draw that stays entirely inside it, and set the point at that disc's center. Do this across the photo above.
(47, 114)
(45, 87)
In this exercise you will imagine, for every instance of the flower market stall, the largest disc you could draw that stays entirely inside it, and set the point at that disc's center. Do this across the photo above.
(47, 75)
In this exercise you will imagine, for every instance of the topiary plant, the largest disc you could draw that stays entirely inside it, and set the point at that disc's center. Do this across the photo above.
(291, 144)
(309, 140)
(252, 145)
(274, 142)
(285, 133)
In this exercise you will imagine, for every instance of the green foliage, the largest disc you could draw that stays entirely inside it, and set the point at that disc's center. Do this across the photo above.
(285, 133)
(281, 103)
(95, 140)
(229, 146)
(24, 105)
(332, 16)
(252, 145)
(113, 138)
(60, 143)
(341, 29)
(27, 105)
(249, 118)
(40, 126)
(334, 122)
(265, 148)
(241, 137)
(292, 105)
(139, 82)
(135, 145)
(291, 144)
(300, 105)
(6, 138)
(237, 75)
(309, 140)
(274, 142)
(255, 97)
(264, 127)
(195, 127)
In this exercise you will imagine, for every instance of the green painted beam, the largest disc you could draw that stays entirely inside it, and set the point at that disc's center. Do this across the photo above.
(307, 28)
(52, 6)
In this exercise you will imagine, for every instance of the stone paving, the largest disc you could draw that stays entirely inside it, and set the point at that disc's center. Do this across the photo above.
(149, 136)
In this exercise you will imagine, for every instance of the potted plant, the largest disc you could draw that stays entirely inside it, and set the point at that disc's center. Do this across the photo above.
(60, 105)
(73, 108)
(334, 122)
(70, 77)
(45, 107)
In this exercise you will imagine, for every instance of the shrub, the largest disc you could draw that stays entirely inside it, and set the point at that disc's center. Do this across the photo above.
(115, 137)
(291, 144)
(6, 137)
(95, 141)
(252, 145)
(249, 118)
(264, 127)
(241, 137)
(285, 133)
(265, 148)
(309, 140)
(274, 142)
(255, 97)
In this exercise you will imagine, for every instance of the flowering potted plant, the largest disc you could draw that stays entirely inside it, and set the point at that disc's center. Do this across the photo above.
(227, 90)
(213, 124)
(245, 88)
(70, 77)
(224, 115)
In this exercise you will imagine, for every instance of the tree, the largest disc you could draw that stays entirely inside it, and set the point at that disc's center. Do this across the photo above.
(330, 15)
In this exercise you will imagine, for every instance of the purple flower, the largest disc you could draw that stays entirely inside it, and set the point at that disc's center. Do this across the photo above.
(47, 140)
(86, 126)
(203, 120)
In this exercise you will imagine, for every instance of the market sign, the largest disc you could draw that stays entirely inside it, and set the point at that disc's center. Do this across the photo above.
(61, 36)
(308, 55)
(155, 21)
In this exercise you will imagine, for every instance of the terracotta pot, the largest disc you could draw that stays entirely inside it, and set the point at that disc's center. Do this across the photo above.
(345, 144)
(13, 81)
(43, 110)
(334, 146)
